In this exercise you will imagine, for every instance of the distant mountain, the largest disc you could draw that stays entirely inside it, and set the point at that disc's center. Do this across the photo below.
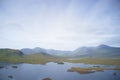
(82, 51)
(27, 51)
(39, 50)
(99, 51)
(36, 50)
(45, 51)
(9, 52)
(58, 52)
(102, 46)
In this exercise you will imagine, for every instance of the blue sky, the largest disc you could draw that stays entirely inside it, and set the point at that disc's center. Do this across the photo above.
(59, 24)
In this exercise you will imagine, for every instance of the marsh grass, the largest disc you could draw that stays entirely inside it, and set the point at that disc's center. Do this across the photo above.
(43, 59)
(89, 70)
(105, 61)
(60, 62)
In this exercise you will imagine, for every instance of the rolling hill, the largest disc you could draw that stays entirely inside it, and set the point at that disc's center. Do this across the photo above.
(99, 51)
(10, 52)
(46, 51)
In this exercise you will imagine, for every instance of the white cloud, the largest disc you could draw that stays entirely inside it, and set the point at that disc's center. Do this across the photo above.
(64, 25)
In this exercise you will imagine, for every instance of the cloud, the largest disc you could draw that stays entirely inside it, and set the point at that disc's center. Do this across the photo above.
(64, 24)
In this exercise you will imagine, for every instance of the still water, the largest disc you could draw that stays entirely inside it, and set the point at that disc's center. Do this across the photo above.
(54, 71)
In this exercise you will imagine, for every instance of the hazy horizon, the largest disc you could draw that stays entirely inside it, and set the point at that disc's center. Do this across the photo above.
(59, 24)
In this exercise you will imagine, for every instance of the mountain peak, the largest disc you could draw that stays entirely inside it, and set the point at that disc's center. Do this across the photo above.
(103, 46)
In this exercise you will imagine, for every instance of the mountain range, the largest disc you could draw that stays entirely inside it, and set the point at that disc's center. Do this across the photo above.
(46, 51)
(99, 51)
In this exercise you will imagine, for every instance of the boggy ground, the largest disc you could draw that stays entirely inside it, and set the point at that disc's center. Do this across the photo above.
(89, 70)
(43, 59)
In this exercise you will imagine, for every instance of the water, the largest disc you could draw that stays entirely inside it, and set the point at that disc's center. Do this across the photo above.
(54, 71)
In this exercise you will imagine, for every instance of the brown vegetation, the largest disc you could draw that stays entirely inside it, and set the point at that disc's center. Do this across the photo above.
(47, 79)
(89, 70)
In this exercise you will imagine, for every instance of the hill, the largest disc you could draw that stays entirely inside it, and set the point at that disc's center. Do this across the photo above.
(99, 51)
(10, 52)
(101, 54)
(46, 51)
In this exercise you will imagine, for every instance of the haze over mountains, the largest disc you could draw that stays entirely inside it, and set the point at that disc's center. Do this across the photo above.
(48, 51)
(99, 51)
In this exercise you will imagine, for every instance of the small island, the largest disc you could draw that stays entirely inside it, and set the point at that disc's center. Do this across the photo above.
(47, 78)
(89, 70)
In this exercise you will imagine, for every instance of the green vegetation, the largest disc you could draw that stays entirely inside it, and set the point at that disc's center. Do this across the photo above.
(42, 59)
(89, 70)
(60, 62)
(10, 55)
(10, 52)
(16, 56)
(33, 59)
(105, 61)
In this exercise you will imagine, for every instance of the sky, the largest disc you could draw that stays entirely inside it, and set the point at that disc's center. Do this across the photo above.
(59, 24)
